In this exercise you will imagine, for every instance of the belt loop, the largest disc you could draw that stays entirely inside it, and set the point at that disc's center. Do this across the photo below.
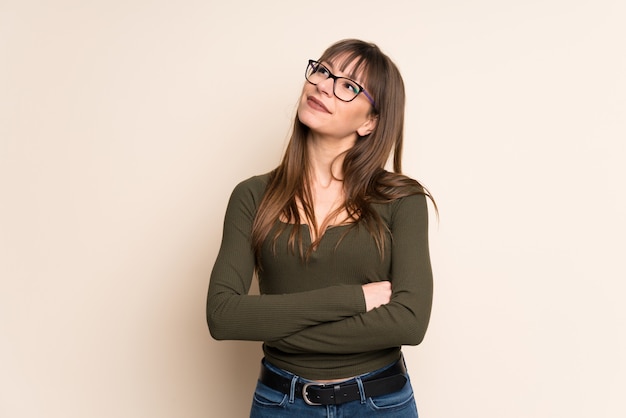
(292, 389)
(361, 388)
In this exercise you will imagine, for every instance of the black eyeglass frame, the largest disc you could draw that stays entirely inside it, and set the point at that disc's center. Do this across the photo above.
(316, 64)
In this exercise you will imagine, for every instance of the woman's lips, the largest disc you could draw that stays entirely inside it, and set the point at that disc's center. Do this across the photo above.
(317, 104)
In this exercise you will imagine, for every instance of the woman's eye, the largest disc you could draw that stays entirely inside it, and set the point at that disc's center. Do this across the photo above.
(322, 70)
(350, 87)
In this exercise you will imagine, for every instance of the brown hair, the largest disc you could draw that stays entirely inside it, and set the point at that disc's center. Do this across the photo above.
(365, 179)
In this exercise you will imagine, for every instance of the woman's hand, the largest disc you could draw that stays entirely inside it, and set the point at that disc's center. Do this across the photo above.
(376, 294)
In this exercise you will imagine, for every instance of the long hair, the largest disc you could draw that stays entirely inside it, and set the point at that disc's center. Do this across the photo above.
(365, 180)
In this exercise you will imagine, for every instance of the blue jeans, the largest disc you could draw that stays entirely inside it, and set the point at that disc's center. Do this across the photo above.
(269, 403)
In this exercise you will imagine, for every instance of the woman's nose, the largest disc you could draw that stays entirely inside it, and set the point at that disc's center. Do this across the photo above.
(326, 86)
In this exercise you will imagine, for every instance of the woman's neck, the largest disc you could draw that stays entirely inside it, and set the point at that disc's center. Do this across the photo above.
(326, 159)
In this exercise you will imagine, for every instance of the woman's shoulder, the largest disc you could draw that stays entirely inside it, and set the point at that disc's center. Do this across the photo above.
(392, 186)
(258, 182)
(397, 192)
(251, 189)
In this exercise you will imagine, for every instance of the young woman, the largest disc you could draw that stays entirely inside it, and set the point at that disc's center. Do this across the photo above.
(340, 247)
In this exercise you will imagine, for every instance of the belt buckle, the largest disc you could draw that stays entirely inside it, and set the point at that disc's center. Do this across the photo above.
(305, 394)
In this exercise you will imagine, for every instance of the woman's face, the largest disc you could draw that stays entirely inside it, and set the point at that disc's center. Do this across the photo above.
(326, 115)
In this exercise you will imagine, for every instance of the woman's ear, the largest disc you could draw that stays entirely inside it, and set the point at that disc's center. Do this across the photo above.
(368, 126)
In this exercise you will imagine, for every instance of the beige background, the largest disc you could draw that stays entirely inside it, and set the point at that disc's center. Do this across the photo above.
(124, 125)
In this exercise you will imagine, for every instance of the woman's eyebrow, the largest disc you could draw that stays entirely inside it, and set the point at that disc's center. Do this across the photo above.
(327, 65)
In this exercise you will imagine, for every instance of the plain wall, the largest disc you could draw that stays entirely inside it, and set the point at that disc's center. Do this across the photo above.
(124, 126)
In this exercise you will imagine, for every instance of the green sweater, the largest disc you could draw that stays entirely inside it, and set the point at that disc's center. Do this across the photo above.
(311, 314)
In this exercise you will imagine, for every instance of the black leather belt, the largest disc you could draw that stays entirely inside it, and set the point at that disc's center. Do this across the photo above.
(388, 381)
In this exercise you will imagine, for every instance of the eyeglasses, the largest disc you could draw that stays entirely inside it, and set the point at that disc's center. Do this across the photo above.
(344, 88)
